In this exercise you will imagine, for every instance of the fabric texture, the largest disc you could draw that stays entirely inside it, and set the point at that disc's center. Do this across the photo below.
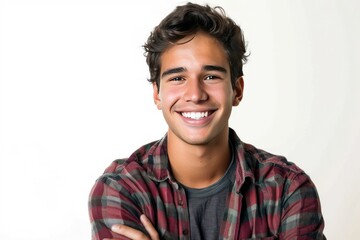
(271, 198)
(206, 206)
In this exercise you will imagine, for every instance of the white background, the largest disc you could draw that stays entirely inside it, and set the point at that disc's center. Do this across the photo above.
(74, 97)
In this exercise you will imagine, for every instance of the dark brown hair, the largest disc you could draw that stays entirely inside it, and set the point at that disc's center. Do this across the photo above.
(187, 20)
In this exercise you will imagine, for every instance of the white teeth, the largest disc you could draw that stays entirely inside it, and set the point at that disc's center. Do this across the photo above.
(195, 115)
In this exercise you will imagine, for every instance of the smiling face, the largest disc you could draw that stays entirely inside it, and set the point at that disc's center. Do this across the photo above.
(196, 95)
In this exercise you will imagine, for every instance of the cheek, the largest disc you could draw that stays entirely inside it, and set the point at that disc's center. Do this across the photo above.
(169, 96)
(223, 95)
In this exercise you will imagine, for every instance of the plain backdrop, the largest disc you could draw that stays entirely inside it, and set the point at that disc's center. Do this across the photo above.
(75, 96)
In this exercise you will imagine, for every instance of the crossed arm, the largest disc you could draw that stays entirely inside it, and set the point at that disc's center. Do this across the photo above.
(136, 234)
(301, 213)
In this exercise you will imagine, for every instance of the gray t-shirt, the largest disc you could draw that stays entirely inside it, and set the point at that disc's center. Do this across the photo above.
(207, 206)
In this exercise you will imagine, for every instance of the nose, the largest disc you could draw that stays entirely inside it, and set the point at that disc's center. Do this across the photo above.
(195, 91)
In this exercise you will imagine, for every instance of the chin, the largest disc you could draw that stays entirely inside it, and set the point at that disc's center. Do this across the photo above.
(197, 140)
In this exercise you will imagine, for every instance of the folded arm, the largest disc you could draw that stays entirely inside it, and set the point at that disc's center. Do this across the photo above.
(301, 211)
(110, 203)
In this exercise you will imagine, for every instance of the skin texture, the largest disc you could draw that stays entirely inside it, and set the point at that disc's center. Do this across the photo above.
(195, 88)
(195, 77)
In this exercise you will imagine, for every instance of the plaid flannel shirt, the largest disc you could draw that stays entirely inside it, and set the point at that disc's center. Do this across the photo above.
(270, 199)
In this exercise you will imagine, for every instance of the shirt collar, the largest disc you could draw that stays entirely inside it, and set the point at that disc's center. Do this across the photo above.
(158, 161)
(158, 166)
(243, 167)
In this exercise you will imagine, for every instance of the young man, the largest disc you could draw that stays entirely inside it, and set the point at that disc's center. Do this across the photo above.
(200, 181)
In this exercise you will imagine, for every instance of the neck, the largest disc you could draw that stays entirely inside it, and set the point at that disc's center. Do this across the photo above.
(199, 166)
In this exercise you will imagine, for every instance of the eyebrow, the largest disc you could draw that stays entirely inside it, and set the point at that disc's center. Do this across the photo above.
(172, 71)
(204, 68)
(214, 68)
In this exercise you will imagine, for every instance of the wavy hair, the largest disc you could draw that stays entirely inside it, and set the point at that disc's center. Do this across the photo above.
(187, 20)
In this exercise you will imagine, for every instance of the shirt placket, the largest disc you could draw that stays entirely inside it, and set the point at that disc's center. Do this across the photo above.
(231, 224)
(183, 213)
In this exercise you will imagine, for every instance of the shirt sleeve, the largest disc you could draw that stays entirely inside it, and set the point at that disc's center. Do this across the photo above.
(110, 202)
(301, 210)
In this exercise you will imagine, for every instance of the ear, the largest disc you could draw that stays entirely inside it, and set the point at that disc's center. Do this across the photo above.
(238, 91)
(156, 97)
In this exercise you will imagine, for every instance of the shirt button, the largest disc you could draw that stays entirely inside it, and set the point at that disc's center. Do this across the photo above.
(185, 232)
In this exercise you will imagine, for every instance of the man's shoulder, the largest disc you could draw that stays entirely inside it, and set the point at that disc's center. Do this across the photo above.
(128, 174)
(137, 161)
(116, 166)
(263, 162)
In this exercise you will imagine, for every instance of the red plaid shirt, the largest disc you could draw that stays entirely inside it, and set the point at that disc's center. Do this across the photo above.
(270, 199)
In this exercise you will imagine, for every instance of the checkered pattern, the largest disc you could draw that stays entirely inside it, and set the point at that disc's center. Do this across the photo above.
(270, 199)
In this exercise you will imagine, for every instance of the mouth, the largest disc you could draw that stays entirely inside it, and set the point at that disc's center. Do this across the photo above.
(196, 115)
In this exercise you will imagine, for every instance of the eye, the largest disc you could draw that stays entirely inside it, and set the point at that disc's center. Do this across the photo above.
(211, 77)
(176, 79)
